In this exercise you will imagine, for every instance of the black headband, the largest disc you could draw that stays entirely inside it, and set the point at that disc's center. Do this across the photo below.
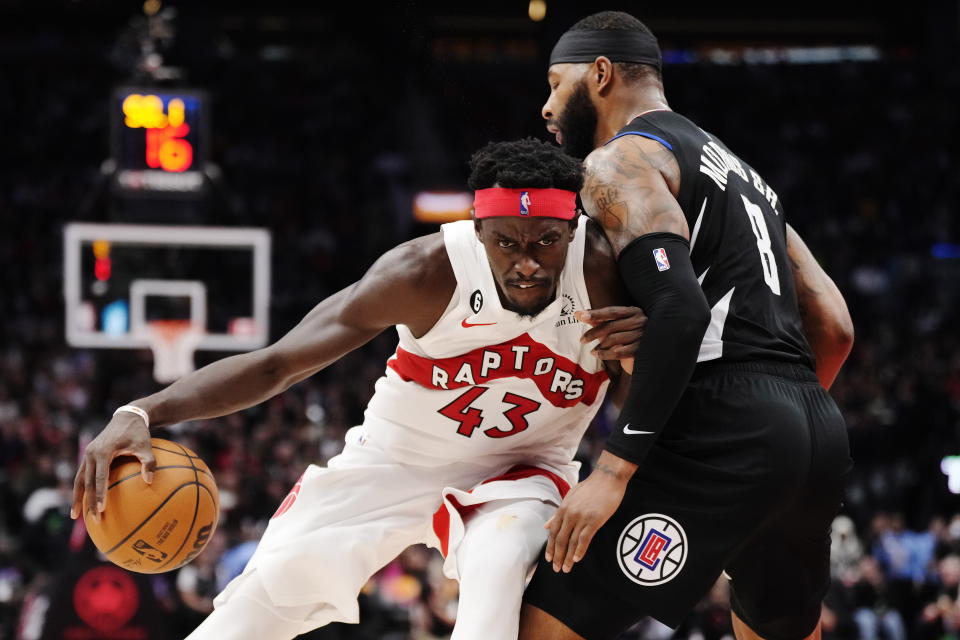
(619, 45)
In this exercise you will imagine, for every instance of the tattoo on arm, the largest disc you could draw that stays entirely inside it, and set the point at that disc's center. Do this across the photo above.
(610, 206)
(610, 471)
(626, 191)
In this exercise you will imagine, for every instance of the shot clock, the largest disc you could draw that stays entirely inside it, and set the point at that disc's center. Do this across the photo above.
(159, 141)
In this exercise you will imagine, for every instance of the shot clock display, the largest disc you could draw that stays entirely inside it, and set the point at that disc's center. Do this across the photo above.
(159, 140)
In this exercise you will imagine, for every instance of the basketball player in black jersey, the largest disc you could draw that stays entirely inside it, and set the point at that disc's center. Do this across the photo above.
(729, 455)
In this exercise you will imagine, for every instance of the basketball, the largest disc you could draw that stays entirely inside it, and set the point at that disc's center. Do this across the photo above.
(158, 527)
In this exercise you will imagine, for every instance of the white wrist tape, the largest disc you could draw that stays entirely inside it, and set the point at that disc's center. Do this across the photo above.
(129, 408)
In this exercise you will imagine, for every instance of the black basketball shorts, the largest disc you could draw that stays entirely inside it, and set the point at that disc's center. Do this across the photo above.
(746, 478)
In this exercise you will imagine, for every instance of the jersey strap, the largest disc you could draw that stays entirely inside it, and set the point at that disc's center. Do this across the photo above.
(641, 133)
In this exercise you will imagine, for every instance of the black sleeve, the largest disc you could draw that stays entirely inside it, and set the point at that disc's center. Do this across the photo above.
(657, 272)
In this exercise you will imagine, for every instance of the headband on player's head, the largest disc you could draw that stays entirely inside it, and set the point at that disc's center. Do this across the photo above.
(619, 45)
(535, 203)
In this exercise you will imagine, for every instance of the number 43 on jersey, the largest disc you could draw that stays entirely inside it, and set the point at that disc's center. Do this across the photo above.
(470, 418)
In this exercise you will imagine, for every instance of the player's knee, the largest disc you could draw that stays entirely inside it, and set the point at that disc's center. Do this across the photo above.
(785, 613)
(506, 558)
(796, 627)
(507, 545)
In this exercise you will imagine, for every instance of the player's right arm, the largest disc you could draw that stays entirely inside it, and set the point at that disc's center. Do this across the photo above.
(630, 188)
(409, 285)
(826, 320)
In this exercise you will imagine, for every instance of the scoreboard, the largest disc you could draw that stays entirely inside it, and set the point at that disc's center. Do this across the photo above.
(159, 141)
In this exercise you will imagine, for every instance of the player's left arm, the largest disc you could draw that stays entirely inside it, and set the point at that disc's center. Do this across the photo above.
(826, 320)
(410, 285)
(629, 189)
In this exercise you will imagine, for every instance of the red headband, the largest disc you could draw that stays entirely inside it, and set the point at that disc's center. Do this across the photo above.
(537, 203)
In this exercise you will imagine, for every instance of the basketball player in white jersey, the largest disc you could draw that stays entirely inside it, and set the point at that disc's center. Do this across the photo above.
(468, 442)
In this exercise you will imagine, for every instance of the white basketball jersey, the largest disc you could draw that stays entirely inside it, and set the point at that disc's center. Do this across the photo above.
(485, 385)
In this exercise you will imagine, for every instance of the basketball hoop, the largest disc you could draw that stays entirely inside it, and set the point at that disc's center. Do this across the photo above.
(173, 343)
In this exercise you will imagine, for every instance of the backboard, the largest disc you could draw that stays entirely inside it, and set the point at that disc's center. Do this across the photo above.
(164, 287)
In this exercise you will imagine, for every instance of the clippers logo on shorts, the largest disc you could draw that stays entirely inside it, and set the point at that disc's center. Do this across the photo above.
(661, 257)
(524, 203)
(652, 549)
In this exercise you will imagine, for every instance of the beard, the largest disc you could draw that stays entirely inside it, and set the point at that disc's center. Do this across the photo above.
(527, 312)
(578, 123)
(530, 308)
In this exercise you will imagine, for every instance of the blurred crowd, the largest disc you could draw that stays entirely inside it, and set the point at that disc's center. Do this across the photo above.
(860, 153)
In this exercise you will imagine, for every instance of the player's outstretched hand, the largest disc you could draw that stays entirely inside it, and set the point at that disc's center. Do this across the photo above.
(618, 330)
(125, 435)
(584, 510)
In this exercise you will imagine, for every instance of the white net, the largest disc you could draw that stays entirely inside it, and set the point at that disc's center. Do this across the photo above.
(173, 343)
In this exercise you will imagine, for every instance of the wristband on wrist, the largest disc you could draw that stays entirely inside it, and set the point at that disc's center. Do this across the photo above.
(129, 408)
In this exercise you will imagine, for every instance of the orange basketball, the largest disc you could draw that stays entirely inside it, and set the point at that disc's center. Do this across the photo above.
(152, 528)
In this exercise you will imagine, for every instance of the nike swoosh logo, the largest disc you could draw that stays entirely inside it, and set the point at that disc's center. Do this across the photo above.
(634, 432)
(467, 325)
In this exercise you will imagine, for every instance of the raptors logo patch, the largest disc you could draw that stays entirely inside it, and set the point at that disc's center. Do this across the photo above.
(652, 549)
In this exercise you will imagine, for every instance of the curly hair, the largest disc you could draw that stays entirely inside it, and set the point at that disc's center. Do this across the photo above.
(620, 21)
(524, 163)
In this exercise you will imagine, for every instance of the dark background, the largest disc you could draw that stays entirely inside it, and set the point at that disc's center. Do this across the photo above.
(325, 122)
